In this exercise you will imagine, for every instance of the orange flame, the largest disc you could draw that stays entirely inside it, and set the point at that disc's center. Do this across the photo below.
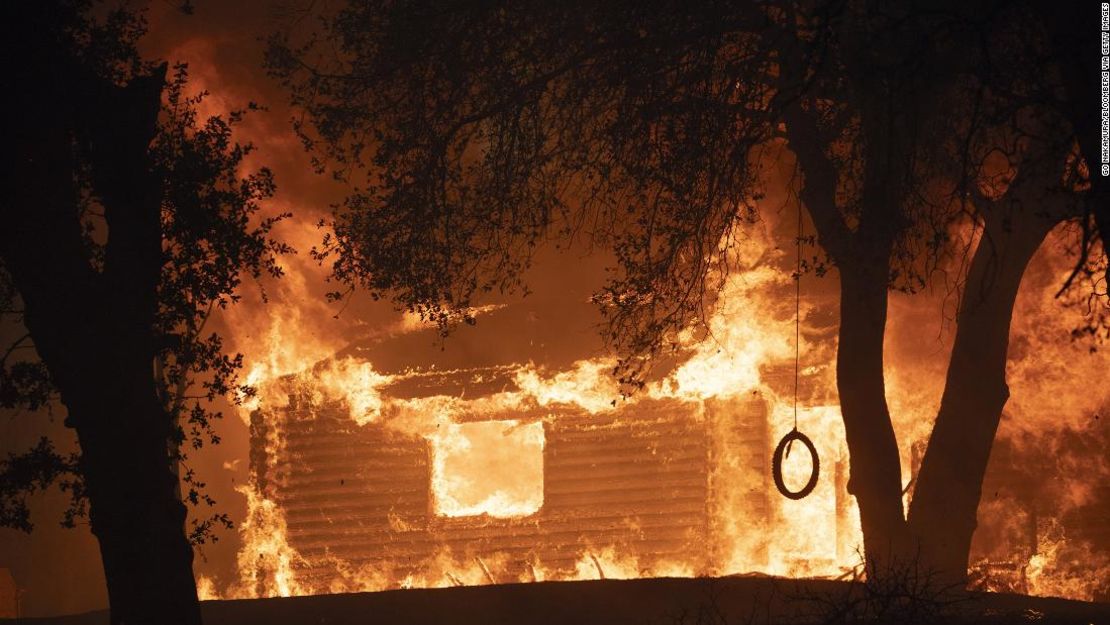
(495, 468)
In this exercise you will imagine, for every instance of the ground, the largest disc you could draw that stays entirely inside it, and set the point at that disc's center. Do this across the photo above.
(732, 600)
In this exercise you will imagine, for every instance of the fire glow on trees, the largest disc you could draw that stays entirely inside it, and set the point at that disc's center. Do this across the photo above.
(488, 462)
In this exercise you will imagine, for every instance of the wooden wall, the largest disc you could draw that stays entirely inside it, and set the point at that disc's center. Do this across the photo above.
(637, 479)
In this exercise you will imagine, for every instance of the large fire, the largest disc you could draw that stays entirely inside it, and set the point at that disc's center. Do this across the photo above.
(488, 467)
(497, 453)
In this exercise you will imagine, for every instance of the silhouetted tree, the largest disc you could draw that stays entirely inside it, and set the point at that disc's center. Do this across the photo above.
(472, 132)
(125, 224)
(857, 132)
(1018, 117)
(896, 141)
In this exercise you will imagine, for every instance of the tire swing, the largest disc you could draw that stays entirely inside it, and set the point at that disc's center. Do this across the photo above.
(783, 449)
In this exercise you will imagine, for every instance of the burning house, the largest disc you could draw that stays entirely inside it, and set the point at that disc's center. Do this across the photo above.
(510, 456)
(478, 466)
(515, 495)
(505, 486)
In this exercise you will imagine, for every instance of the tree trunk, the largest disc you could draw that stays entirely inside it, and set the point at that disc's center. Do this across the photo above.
(94, 328)
(863, 261)
(875, 467)
(134, 508)
(147, 559)
(123, 430)
(942, 514)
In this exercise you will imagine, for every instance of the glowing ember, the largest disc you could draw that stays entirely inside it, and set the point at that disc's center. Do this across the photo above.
(488, 467)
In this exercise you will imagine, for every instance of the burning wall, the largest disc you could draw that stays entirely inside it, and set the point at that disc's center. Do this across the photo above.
(368, 504)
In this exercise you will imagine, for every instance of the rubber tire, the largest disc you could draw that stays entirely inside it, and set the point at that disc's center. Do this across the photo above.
(776, 466)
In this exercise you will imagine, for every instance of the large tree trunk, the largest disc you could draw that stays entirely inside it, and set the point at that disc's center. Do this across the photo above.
(942, 514)
(135, 512)
(94, 327)
(875, 477)
(102, 365)
(104, 375)
(865, 278)
(863, 261)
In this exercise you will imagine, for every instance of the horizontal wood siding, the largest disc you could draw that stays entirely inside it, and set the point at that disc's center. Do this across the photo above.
(357, 498)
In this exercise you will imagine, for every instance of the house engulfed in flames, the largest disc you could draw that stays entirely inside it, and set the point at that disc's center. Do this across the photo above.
(394, 465)
(521, 495)
(476, 466)
(513, 491)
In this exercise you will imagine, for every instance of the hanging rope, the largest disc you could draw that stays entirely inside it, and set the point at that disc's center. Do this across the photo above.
(783, 448)
(797, 315)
